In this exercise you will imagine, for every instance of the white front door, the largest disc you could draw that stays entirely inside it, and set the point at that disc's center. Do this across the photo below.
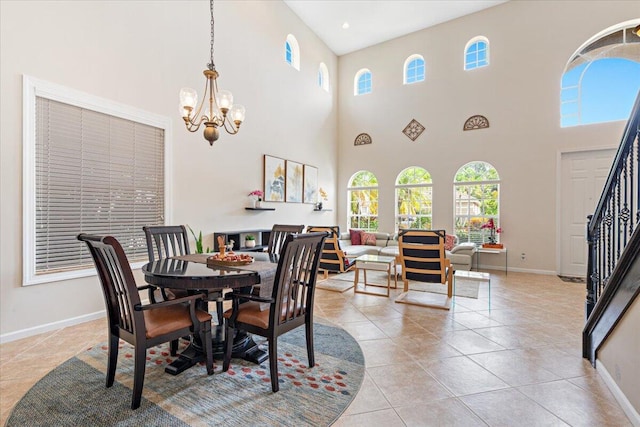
(583, 175)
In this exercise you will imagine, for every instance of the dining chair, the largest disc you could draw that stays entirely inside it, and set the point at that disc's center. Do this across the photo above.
(142, 326)
(423, 259)
(333, 257)
(165, 241)
(279, 233)
(290, 304)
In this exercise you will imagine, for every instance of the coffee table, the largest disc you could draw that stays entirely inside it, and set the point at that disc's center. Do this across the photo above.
(376, 263)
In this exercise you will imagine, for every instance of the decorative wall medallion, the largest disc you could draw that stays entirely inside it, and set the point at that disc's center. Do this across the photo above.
(413, 130)
(362, 139)
(476, 122)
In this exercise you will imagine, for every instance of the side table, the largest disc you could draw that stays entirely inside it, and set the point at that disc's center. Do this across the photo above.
(482, 250)
(471, 276)
(376, 263)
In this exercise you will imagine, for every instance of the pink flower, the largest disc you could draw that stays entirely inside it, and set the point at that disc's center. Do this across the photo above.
(257, 193)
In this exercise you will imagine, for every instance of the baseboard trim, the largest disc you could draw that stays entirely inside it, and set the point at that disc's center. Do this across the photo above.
(516, 270)
(47, 327)
(622, 400)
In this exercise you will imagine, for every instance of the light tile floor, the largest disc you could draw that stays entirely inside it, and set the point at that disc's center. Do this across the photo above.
(516, 365)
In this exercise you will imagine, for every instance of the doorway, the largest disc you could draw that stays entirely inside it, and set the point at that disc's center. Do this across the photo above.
(583, 175)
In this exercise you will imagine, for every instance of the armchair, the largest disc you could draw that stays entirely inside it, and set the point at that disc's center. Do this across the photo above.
(422, 256)
(333, 257)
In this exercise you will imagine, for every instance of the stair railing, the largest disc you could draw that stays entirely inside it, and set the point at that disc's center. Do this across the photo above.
(617, 216)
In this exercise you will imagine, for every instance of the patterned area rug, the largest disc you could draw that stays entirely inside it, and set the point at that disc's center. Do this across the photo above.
(74, 393)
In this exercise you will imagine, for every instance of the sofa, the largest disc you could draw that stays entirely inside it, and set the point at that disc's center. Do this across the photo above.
(460, 255)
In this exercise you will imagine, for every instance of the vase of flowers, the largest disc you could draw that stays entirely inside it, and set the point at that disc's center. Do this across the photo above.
(493, 234)
(256, 196)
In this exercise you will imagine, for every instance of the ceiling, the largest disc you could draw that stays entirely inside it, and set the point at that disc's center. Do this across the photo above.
(375, 21)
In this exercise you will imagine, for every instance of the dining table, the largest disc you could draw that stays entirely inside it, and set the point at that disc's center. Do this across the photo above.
(192, 273)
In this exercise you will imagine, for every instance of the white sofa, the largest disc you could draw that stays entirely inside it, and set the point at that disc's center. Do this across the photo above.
(461, 255)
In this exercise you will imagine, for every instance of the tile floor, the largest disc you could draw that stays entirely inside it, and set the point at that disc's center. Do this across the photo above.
(518, 364)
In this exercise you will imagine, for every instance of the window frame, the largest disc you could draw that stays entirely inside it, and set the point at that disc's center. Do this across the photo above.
(32, 88)
(323, 77)
(371, 189)
(468, 46)
(585, 56)
(418, 186)
(482, 215)
(407, 63)
(292, 43)
(356, 82)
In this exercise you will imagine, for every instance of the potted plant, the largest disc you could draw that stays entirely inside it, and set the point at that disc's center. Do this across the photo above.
(249, 241)
(322, 195)
(198, 239)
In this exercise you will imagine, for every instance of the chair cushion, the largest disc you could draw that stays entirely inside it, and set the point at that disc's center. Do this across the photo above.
(355, 236)
(161, 321)
(250, 313)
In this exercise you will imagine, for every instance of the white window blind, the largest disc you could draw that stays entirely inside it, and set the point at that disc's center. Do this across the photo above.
(94, 173)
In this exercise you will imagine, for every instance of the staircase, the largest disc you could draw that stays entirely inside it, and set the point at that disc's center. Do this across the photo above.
(613, 237)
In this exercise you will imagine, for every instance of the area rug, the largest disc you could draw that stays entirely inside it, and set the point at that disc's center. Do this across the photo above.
(571, 279)
(74, 393)
(464, 287)
(335, 285)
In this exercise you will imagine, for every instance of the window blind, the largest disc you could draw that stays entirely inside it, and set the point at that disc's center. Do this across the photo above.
(95, 173)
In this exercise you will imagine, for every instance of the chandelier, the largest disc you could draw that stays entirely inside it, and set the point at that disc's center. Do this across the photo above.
(216, 109)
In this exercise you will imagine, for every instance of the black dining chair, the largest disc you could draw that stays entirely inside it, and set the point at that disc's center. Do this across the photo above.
(278, 235)
(290, 304)
(165, 241)
(142, 326)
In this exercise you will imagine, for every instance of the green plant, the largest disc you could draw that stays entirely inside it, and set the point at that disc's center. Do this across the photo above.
(249, 237)
(198, 240)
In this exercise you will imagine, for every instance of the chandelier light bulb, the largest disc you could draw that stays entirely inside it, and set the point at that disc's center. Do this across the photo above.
(225, 100)
(237, 114)
(188, 97)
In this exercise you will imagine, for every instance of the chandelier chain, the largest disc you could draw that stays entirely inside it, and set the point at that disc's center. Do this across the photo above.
(211, 65)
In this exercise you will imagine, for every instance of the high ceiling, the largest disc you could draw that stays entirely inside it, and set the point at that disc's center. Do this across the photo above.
(375, 21)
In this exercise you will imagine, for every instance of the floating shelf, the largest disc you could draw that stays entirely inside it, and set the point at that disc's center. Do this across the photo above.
(260, 209)
(323, 210)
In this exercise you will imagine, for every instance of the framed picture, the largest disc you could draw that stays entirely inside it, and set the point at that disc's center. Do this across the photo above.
(293, 188)
(274, 179)
(310, 194)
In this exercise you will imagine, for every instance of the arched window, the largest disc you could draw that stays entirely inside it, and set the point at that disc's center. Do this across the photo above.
(323, 77)
(363, 201)
(292, 52)
(362, 82)
(476, 192)
(414, 193)
(602, 78)
(476, 53)
(413, 69)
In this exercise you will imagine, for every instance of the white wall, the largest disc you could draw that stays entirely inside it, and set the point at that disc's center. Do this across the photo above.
(141, 53)
(530, 44)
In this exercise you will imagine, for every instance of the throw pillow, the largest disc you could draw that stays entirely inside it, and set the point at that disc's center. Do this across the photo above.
(355, 236)
(449, 242)
(368, 239)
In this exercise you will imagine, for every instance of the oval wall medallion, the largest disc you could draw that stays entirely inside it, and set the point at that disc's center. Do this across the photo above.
(362, 139)
(476, 122)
